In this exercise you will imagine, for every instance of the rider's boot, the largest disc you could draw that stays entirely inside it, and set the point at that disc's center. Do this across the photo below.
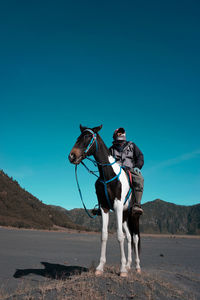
(137, 209)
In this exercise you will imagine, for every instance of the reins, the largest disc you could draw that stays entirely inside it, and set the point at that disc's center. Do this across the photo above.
(104, 182)
(80, 193)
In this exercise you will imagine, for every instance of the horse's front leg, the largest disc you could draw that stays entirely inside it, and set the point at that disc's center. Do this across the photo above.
(128, 235)
(104, 238)
(118, 207)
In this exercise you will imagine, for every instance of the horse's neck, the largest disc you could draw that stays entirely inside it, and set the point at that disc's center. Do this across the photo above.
(103, 156)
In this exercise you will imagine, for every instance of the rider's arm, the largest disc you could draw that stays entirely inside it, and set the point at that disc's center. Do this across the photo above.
(139, 157)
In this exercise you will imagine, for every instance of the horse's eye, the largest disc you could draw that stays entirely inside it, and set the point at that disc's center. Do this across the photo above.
(85, 138)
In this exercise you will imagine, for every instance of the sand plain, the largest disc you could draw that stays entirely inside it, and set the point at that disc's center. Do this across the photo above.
(60, 265)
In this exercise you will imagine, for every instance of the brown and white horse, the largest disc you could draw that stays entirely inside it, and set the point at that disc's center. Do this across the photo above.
(112, 189)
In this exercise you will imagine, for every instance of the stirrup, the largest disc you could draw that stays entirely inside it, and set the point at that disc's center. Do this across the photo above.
(96, 211)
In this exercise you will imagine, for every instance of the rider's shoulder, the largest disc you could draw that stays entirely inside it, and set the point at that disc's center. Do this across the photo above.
(129, 144)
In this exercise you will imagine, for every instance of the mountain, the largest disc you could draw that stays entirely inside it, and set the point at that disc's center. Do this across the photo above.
(164, 217)
(18, 208)
(159, 217)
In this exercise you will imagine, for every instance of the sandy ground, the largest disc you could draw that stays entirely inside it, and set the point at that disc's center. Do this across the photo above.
(60, 265)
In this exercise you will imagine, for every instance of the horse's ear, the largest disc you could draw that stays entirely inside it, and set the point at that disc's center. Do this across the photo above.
(96, 129)
(82, 128)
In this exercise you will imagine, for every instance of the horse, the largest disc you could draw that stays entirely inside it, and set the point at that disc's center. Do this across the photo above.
(112, 189)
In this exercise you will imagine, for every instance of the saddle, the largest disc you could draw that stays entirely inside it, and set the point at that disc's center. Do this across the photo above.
(129, 175)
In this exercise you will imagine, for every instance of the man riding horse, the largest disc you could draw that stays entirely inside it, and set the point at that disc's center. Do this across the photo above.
(129, 156)
(113, 190)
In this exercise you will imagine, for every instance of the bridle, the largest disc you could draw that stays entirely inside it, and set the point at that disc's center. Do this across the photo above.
(93, 140)
(91, 143)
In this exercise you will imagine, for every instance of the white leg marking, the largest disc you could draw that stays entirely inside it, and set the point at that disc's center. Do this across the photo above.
(137, 259)
(104, 237)
(118, 207)
(128, 236)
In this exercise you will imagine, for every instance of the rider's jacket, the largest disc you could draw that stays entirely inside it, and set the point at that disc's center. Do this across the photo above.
(127, 154)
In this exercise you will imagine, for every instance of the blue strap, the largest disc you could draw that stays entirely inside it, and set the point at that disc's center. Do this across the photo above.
(92, 132)
(94, 137)
(104, 182)
(92, 217)
(127, 196)
(105, 187)
(90, 171)
(116, 177)
(91, 142)
(98, 163)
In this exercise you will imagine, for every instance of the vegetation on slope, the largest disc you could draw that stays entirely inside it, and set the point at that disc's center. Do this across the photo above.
(18, 208)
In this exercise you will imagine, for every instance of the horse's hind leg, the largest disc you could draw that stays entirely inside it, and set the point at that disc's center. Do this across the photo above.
(104, 237)
(128, 236)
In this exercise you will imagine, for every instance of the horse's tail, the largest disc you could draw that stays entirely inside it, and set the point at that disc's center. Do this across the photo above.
(134, 228)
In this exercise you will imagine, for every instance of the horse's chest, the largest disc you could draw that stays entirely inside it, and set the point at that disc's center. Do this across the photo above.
(107, 194)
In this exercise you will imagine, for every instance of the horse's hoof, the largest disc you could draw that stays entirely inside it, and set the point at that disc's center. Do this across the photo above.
(138, 271)
(123, 274)
(98, 273)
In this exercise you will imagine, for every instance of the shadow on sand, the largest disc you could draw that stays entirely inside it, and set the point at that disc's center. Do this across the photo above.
(53, 271)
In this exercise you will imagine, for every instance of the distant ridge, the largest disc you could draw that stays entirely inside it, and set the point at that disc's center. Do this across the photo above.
(164, 217)
(18, 208)
(160, 217)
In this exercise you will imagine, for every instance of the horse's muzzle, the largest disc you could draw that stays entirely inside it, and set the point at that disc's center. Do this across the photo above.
(74, 159)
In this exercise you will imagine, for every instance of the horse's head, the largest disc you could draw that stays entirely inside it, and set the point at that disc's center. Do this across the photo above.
(85, 145)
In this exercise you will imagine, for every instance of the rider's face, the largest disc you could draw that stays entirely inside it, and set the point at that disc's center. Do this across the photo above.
(119, 133)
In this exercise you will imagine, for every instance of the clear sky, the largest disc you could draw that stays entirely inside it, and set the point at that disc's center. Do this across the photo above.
(134, 64)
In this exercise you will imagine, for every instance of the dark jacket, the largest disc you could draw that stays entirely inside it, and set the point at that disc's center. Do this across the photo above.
(127, 154)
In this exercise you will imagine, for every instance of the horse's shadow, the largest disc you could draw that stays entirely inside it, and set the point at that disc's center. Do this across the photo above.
(52, 271)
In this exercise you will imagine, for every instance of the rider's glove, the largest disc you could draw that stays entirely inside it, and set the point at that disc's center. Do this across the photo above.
(137, 170)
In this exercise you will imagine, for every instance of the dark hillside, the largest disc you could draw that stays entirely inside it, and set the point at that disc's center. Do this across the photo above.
(19, 208)
(164, 217)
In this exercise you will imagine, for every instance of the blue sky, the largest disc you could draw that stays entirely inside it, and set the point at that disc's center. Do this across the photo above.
(118, 63)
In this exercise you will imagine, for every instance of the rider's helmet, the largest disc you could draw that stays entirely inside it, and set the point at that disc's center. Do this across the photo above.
(119, 134)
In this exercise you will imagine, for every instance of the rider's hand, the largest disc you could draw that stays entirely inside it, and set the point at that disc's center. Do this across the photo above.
(137, 170)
